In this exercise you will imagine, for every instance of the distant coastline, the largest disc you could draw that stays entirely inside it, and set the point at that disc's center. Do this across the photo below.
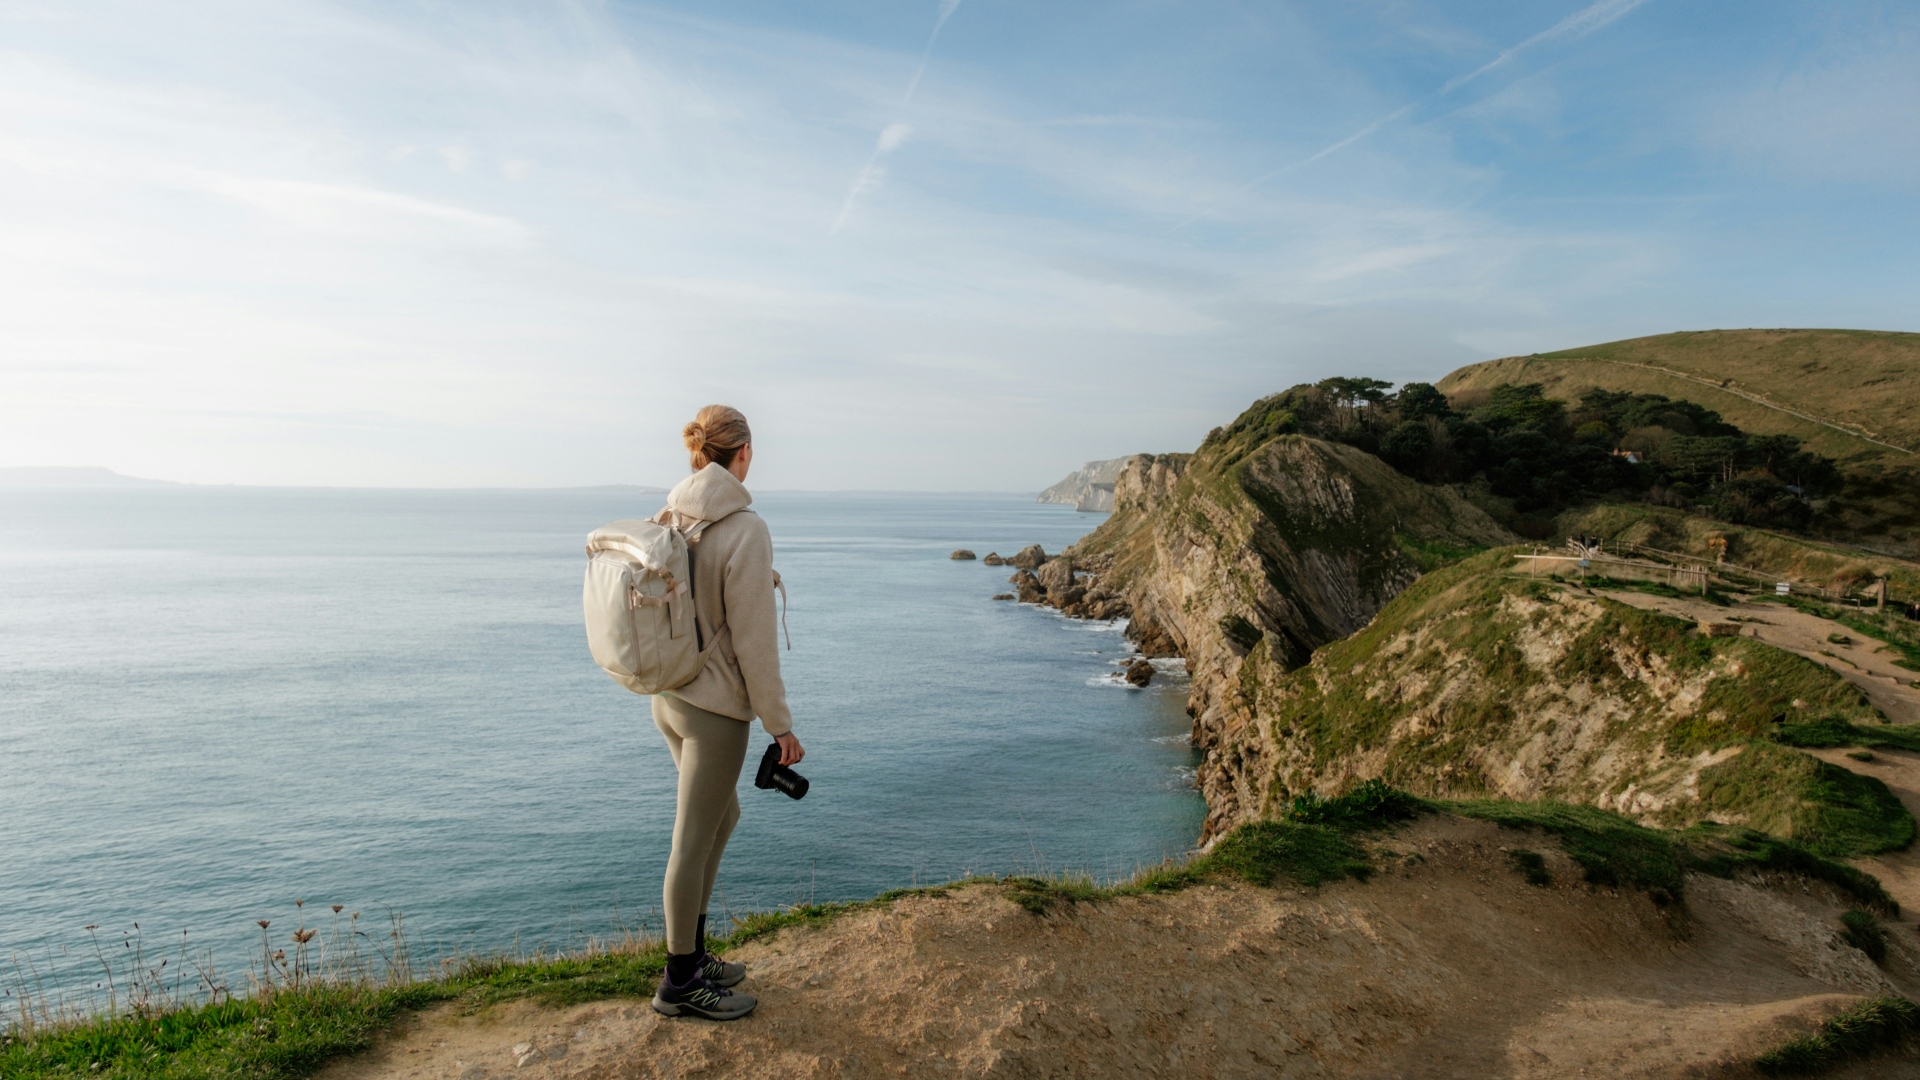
(44, 476)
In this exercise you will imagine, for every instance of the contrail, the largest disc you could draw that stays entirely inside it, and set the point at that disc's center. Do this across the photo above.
(1572, 28)
(871, 175)
(947, 8)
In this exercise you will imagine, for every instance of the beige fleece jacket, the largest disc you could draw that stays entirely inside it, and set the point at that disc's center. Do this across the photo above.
(733, 590)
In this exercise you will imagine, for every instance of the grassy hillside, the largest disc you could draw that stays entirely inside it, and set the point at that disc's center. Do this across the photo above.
(1861, 382)
(1847, 394)
(1480, 682)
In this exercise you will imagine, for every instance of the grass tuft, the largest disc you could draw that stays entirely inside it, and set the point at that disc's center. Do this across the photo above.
(1267, 852)
(1861, 930)
(1833, 731)
(1371, 805)
(1856, 1032)
(1532, 865)
(1610, 850)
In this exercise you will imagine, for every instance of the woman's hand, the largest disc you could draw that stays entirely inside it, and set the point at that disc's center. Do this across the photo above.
(790, 749)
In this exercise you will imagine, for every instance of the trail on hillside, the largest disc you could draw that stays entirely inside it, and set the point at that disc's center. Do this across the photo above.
(1864, 662)
(1446, 964)
(1728, 387)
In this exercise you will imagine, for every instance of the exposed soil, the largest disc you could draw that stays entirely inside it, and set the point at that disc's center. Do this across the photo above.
(1446, 964)
(1866, 663)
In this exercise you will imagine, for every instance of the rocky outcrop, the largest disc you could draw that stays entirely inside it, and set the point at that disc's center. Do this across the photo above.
(1079, 487)
(1140, 673)
(1098, 499)
(993, 559)
(962, 554)
(1055, 573)
(1029, 558)
(1265, 540)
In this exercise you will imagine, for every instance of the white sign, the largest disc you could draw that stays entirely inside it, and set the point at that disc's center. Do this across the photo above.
(1781, 588)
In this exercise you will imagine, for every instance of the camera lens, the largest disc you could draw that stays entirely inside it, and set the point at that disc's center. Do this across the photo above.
(792, 783)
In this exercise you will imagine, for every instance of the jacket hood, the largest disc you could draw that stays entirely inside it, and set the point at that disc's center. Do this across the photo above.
(709, 495)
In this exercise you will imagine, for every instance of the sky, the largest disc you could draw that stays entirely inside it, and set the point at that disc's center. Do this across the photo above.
(941, 245)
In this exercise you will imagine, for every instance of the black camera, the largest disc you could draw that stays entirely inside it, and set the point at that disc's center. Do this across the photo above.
(772, 774)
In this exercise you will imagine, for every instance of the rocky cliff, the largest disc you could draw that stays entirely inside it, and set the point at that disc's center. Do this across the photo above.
(1288, 572)
(1089, 487)
(1259, 540)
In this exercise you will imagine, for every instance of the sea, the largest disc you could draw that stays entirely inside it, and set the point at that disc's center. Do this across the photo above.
(225, 705)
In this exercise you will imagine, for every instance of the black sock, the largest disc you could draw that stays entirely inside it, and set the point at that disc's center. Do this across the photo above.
(682, 969)
(700, 936)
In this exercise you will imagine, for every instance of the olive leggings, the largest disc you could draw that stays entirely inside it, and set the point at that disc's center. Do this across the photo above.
(707, 749)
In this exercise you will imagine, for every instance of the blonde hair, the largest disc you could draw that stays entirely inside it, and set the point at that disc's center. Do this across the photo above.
(716, 435)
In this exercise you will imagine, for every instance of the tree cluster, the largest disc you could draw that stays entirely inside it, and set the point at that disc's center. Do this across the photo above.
(1542, 456)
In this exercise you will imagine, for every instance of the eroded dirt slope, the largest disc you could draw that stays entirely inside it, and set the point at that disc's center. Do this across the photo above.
(1446, 964)
(1862, 661)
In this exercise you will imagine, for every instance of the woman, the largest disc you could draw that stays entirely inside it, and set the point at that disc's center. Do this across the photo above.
(707, 720)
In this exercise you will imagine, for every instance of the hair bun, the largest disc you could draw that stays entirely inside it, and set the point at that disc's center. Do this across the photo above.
(715, 435)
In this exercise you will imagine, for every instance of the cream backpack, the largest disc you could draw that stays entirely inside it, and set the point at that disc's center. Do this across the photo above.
(638, 597)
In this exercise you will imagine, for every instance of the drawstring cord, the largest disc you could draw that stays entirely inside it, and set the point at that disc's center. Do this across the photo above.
(782, 586)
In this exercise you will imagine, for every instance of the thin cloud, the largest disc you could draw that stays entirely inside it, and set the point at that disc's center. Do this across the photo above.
(873, 174)
(1572, 28)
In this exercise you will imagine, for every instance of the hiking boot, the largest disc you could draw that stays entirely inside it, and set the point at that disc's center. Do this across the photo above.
(698, 997)
(721, 972)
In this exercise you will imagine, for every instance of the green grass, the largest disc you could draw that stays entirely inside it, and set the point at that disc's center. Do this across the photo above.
(1610, 850)
(1831, 810)
(1313, 844)
(1833, 732)
(1856, 1032)
(1713, 595)
(1861, 930)
(1531, 865)
(1615, 852)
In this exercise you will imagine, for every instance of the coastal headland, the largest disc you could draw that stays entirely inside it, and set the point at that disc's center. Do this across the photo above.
(1547, 728)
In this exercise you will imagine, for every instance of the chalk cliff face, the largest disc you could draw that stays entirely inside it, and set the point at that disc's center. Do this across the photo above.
(1089, 487)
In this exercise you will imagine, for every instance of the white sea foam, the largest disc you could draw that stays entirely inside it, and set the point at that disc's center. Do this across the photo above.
(1183, 740)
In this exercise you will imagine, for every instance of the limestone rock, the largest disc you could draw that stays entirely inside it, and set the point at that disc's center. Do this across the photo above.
(993, 559)
(1030, 557)
(1056, 573)
(1079, 489)
(962, 554)
(1032, 593)
(1065, 597)
(1140, 672)
(1151, 638)
(1302, 539)
(1005, 596)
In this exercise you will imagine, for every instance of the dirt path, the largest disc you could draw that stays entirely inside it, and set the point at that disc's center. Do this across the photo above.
(1866, 663)
(1446, 964)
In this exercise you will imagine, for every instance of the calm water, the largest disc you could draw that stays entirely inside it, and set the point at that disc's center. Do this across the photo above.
(214, 702)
